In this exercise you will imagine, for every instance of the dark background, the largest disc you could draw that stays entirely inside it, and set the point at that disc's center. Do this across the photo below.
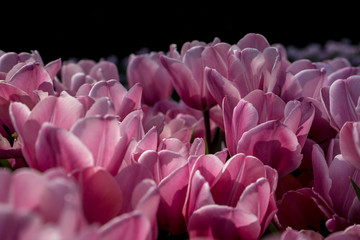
(100, 29)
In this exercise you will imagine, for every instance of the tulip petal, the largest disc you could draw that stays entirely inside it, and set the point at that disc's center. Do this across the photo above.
(173, 192)
(253, 40)
(223, 222)
(274, 144)
(57, 147)
(129, 226)
(100, 135)
(102, 197)
(29, 77)
(219, 86)
(238, 172)
(349, 143)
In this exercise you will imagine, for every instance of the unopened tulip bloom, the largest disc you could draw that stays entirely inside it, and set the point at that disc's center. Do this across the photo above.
(147, 70)
(230, 201)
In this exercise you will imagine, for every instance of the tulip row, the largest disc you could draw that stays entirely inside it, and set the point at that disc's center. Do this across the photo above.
(255, 147)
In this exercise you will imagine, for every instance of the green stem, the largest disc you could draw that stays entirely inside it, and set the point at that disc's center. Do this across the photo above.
(206, 115)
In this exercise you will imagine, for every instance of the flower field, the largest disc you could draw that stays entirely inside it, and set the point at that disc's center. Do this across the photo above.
(217, 140)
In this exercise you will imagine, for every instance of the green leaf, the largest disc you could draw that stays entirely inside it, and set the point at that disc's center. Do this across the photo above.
(5, 163)
(356, 188)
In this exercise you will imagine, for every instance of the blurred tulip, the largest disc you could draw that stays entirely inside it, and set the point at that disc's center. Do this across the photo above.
(147, 70)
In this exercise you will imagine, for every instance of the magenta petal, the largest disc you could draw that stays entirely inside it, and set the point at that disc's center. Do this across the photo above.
(349, 143)
(274, 144)
(173, 192)
(58, 147)
(102, 197)
(223, 222)
(100, 135)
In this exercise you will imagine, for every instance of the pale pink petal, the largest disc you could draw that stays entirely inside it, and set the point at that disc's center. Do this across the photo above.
(26, 189)
(127, 179)
(130, 102)
(29, 77)
(101, 106)
(198, 195)
(343, 97)
(100, 135)
(299, 117)
(244, 117)
(257, 199)
(215, 57)
(53, 67)
(132, 225)
(5, 180)
(349, 143)
(62, 111)
(104, 70)
(57, 147)
(253, 40)
(268, 105)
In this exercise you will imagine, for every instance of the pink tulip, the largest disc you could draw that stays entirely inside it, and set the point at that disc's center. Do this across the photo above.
(54, 134)
(231, 201)
(343, 197)
(254, 124)
(188, 73)
(349, 143)
(74, 75)
(171, 172)
(341, 101)
(33, 204)
(61, 111)
(147, 70)
(124, 101)
(141, 196)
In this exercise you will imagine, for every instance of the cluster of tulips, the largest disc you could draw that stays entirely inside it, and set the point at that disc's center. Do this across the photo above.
(210, 141)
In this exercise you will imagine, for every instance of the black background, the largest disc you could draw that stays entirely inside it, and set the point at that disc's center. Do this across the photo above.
(100, 29)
